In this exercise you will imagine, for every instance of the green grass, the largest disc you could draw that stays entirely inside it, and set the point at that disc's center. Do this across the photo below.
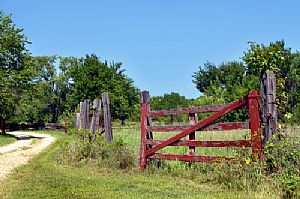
(46, 176)
(6, 139)
(131, 135)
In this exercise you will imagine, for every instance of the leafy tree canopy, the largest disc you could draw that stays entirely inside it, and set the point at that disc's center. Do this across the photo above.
(15, 66)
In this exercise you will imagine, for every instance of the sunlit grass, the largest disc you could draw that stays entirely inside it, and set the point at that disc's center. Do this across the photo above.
(6, 139)
(45, 176)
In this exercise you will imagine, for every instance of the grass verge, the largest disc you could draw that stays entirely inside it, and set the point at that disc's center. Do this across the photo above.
(6, 139)
(47, 176)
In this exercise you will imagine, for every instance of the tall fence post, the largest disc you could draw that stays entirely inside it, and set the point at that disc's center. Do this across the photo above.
(145, 106)
(107, 117)
(145, 98)
(96, 115)
(269, 109)
(86, 116)
(76, 120)
(82, 109)
(255, 125)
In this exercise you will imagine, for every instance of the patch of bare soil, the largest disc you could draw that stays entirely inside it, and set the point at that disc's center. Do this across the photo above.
(18, 153)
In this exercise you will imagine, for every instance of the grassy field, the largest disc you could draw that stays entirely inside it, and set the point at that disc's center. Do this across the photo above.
(45, 176)
(6, 139)
(131, 135)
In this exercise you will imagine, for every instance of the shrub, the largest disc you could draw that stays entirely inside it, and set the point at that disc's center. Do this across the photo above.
(95, 149)
(282, 163)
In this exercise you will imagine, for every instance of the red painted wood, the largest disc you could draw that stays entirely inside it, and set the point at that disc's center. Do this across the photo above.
(189, 158)
(180, 111)
(167, 128)
(201, 124)
(212, 127)
(143, 158)
(209, 143)
(255, 125)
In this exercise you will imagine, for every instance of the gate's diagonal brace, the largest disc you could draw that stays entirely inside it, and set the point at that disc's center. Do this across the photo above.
(200, 124)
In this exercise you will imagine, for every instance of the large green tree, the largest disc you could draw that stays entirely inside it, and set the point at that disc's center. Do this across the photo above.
(232, 80)
(15, 67)
(89, 78)
(280, 59)
(45, 100)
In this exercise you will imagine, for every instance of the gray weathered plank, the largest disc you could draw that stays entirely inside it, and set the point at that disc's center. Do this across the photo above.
(107, 117)
(96, 115)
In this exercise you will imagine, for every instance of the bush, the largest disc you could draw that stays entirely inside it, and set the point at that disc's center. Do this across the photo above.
(282, 163)
(95, 149)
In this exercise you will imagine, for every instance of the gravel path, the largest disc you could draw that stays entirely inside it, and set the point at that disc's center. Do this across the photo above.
(21, 151)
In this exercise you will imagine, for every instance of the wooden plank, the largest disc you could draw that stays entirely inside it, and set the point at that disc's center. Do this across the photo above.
(269, 109)
(212, 127)
(180, 111)
(76, 120)
(96, 116)
(199, 125)
(86, 116)
(255, 126)
(82, 109)
(143, 149)
(145, 98)
(189, 158)
(209, 143)
(167, 128)
(107, 117)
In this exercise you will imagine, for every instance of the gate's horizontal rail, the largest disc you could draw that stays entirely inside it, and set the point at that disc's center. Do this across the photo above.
(210, 143)
(212, 127)
(196, 109)
(189, 158)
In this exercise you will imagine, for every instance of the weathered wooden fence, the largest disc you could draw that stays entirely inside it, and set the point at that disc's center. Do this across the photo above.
(84, 120)
(150, 147)
(265, 119)
(268, 105)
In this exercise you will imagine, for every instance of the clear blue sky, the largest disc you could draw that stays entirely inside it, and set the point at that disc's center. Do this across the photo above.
(161, 43)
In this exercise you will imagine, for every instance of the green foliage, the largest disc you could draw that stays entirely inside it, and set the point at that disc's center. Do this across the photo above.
(95, 148)
(169, 101)
(275, 57)
(233, 80)
(282, 162)
(15, 69)
(89, 78)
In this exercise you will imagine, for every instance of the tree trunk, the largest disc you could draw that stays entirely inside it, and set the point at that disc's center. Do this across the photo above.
(123, 122)
(2, 126)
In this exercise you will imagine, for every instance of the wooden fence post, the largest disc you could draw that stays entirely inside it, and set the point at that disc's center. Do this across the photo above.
(86, 116)
(145, 98)
(96, 115)
(269, 109)
(145, 106)
(76, 120)
(192, 136)
(82, 108)
(107, 117)
(255, 126)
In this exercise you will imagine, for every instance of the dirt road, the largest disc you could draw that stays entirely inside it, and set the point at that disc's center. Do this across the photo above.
(28, 145)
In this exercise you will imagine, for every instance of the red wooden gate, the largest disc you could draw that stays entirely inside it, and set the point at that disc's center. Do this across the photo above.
(149, 147)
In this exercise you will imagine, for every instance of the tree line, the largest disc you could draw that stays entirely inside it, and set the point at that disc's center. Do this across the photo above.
(47, 88)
